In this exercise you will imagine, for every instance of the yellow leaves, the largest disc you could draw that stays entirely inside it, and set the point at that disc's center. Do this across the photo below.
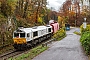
(86, 29)
(40, 20)
(72, 13)
(42, 15)
(59, 34)
(84, 13)
(61, 21)
(59, 18)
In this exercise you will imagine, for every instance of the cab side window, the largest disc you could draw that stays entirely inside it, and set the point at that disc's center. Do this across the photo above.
(28, 35)
(49, 30)
(35, 33)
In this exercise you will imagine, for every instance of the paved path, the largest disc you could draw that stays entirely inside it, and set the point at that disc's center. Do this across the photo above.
(68, 48)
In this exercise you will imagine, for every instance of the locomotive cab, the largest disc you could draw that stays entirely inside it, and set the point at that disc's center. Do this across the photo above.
(19, 37)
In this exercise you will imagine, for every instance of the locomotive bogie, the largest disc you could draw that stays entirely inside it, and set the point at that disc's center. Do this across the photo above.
(20, 46)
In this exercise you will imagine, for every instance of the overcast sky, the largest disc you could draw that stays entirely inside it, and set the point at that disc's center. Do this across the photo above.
(56, 4)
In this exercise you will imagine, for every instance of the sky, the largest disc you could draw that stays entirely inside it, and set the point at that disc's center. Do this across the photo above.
(56, 4)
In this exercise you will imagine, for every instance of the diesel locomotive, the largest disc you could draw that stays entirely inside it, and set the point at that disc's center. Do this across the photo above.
(26, 37)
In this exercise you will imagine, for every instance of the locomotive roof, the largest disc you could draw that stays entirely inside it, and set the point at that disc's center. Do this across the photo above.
(28, 30)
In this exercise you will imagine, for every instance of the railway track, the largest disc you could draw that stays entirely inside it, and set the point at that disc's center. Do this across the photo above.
(3, 46)
(13, 53)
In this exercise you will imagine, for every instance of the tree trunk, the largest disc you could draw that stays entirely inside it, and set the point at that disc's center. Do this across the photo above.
(25, 9)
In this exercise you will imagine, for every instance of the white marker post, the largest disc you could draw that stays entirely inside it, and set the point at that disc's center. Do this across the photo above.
(84, 23)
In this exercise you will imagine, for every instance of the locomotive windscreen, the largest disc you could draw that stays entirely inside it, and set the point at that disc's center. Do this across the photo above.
(16, 34)
(21, 35)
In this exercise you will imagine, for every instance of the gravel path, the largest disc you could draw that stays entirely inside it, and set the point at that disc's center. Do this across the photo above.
(68, 48)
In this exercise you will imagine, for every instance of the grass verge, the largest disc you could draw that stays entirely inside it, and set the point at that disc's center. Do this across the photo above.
(31, 54)
(60, 38)
(77, 33)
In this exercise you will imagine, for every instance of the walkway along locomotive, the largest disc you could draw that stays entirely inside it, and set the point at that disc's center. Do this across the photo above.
(26, 37)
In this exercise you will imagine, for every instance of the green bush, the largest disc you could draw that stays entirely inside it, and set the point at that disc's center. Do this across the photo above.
(1, 16)
(60, 34)
(85, 41)
(84, 29)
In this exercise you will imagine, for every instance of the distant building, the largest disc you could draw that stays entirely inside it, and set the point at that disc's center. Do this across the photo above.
(85, 4)
(80, 4)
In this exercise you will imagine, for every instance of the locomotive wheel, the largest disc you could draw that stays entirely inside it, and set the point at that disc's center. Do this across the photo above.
(20, 46)
(44, 37)
(47, 36)
(15, 46)
(36, 41)
(39, 40)
(33, 43)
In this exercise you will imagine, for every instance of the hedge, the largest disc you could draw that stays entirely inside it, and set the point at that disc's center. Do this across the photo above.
(85, 38)
(60, 34)
(84, 29)
(85, 41)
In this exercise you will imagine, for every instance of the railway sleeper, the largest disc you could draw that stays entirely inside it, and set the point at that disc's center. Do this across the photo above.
(45, 44)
